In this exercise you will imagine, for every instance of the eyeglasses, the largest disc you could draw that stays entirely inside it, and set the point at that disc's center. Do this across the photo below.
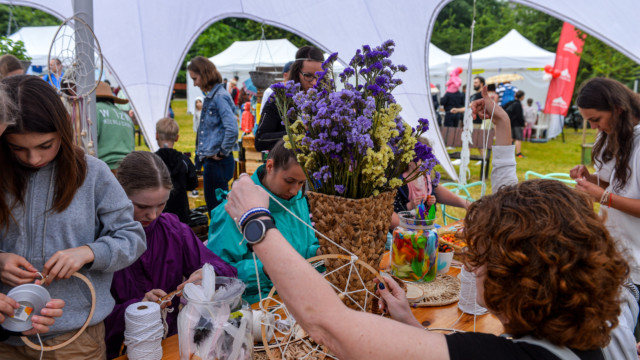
(309, 76)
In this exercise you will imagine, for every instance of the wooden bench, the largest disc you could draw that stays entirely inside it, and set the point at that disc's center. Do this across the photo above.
(452, 137)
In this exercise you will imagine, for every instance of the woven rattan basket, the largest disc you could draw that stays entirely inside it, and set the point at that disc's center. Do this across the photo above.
(360, 226)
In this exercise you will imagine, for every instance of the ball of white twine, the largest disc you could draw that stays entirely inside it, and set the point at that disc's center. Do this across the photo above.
(467, 302)
(143, 331)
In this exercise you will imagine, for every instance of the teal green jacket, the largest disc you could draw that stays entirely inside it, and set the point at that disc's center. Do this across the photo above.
(224, 239)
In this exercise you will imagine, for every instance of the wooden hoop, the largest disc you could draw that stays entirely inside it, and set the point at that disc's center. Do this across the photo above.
(267, 347)
(34, 346)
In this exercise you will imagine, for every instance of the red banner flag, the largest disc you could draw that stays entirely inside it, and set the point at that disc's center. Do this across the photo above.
(564, 71)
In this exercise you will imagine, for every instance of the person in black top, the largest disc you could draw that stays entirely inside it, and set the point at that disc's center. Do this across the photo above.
(453, 100)
(183, 172)
(516, 114)
(271, 129)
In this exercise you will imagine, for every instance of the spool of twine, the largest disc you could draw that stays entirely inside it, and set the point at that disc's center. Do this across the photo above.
(143, 331)
(468, 294)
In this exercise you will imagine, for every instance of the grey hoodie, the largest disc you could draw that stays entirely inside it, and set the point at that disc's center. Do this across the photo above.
(100, 216)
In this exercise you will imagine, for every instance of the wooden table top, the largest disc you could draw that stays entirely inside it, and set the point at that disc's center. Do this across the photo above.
(430, 317)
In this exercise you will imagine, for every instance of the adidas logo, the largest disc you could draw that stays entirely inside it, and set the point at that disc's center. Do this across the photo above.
(564, 75)
(559, 102)
(570, 47)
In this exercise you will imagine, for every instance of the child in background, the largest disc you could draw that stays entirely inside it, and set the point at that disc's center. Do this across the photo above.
(183, 173)
(530, 116)
(173, 250)
(247, 119)
(67, 214)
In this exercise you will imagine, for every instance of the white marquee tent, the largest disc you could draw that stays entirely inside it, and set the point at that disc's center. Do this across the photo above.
(513, 53)
(439, 62)
(146, 41)
(37, 41)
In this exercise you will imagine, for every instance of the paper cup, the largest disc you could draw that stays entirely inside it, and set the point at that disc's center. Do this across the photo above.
(444, 262)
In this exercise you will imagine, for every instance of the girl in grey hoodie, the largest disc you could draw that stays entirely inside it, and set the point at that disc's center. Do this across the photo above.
(67, 214)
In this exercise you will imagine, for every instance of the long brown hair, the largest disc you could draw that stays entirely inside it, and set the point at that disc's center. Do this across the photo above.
(7, 117)
(604, 94)
(142, 170)
(207, 70)
(9, 64)
(40, 110)
(551, 267)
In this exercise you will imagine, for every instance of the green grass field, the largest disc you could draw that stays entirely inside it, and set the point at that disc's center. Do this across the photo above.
(554, 156)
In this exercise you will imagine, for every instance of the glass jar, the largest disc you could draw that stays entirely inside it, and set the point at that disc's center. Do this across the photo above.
(414, 249)
(218, 329)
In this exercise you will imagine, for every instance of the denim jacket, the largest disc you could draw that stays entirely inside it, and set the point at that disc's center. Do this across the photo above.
(218, 130)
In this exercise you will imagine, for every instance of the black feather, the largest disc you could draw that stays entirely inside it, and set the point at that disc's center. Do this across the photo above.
(202, 330)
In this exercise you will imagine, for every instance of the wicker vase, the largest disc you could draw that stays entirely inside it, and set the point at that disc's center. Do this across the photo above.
(358, 225)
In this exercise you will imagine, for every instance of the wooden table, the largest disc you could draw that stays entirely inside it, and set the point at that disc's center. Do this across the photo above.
(431, 317)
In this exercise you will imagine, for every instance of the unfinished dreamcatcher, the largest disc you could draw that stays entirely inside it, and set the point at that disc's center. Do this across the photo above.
(285, 338)
(76, 48)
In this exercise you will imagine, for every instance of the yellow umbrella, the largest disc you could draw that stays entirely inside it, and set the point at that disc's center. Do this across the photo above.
(504, 78)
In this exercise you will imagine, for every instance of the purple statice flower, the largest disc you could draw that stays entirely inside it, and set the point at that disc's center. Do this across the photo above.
(423, 152)
(436, 179)
(402, 68)
(323, 174)
(278, 86)
(366, 48)
(340, 189)
(377, 65)
(375, 89)
(424, 125)
(330, 60)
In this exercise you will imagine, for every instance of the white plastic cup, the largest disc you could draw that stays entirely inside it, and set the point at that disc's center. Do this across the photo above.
(444, 262)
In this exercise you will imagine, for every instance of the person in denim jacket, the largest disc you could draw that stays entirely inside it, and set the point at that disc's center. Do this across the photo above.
(218, 129)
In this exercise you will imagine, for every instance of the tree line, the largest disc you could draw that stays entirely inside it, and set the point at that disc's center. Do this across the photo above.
(452, 33)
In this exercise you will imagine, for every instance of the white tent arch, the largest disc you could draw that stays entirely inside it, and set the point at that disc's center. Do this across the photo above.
(145, 42)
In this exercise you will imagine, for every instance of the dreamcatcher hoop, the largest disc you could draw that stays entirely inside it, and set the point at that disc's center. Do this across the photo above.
(63, 48)
(281, 348)
(77, 50)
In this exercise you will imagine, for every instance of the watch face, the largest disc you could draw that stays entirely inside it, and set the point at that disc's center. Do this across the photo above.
(253, 231)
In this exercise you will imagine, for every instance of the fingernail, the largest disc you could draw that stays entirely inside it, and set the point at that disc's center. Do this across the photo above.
(381, 286)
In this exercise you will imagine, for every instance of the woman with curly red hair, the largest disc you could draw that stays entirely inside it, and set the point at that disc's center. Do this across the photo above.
(545, 266)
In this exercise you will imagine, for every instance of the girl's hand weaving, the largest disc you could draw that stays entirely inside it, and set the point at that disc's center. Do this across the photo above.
(16, 270)
(66, 262)
(155, 295)
(196, 278)
(394, 301)
(246, 197)
(594, 191)
(7, 307)
(42, 322)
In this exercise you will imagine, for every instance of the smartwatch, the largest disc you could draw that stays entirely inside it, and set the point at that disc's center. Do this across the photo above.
(256, 229)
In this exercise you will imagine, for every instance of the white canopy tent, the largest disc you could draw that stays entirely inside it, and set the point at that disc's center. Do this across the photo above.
(242, 57)
(37, 41)
(513, 53)
(439, 62)
(145, 42)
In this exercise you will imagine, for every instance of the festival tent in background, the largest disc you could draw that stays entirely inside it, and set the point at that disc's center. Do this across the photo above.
(146, 42)
(37, 41)
(438, 61)
(513, 53)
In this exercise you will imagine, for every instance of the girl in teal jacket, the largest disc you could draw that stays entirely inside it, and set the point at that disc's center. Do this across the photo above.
(283, 178)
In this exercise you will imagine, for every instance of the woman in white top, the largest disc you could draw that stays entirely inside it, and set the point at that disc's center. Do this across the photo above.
(614, 110)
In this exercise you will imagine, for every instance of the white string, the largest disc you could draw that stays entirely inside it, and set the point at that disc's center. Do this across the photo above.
(467, 119)
(41, 346)
(143, 331)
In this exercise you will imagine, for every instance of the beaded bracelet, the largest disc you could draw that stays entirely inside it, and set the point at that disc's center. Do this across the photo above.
(257, 210)
(604, 197)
